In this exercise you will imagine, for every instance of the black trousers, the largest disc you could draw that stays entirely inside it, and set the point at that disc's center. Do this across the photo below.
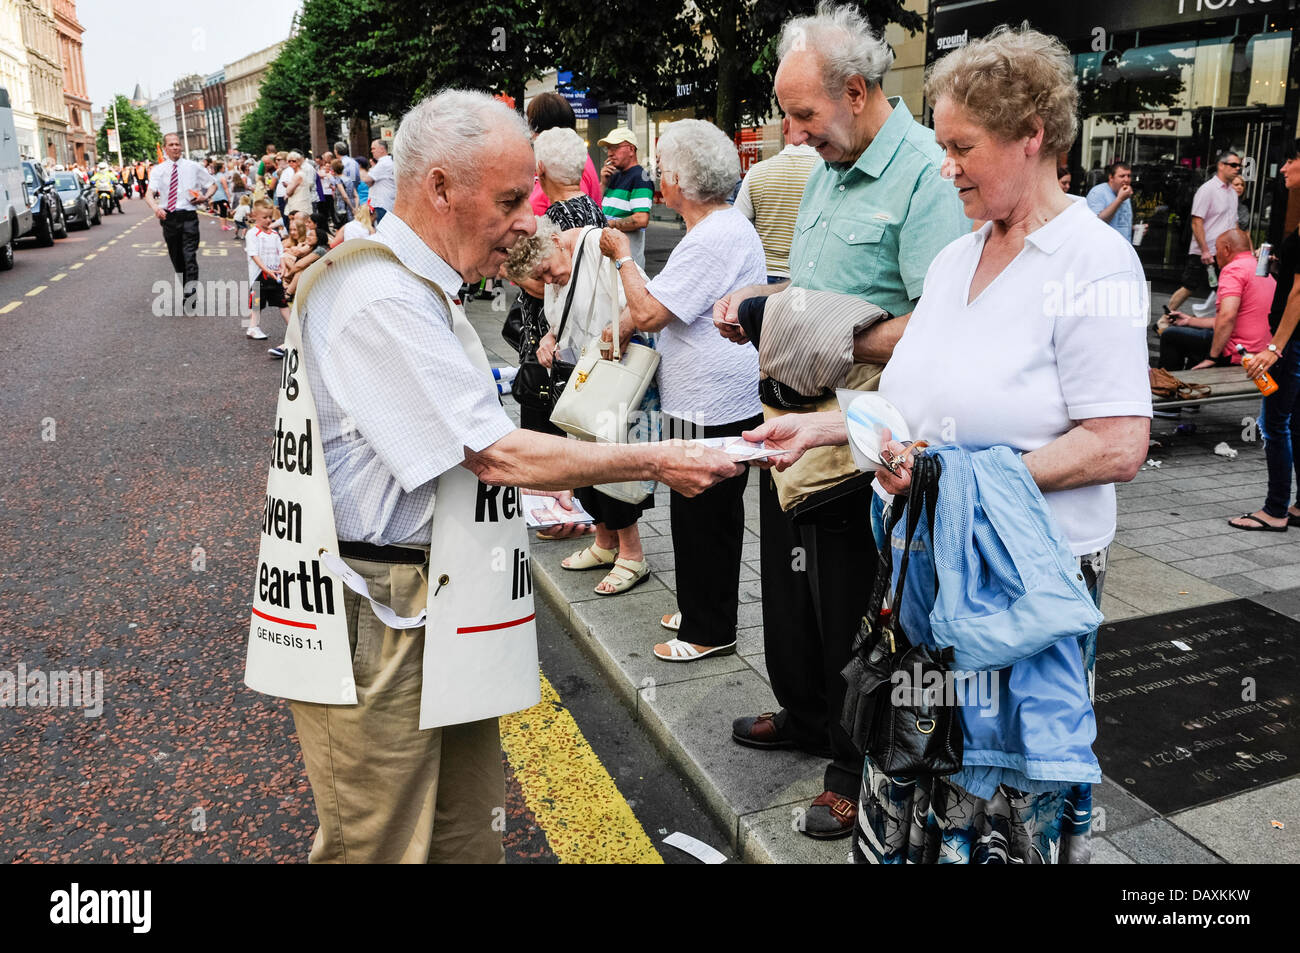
(817, 578)
(708, 532)
(181, 232)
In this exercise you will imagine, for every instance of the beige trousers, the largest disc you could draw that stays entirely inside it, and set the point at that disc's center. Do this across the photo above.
(385, 791)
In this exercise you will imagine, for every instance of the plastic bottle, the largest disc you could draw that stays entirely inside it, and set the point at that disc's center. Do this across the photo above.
(1266, 384)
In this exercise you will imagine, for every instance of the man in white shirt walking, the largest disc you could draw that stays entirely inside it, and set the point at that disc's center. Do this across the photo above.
(171, 185)
(1214, 211)
(381, 179)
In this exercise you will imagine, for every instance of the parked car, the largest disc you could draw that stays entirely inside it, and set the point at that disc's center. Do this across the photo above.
(47, 209)
(78, 199)
(16, 208)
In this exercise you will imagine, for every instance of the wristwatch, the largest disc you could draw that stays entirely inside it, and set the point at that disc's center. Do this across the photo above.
(1273, 348)
(622, 261)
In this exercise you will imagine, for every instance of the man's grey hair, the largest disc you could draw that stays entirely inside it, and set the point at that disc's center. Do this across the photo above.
(451, 129)
(845, 43)
(703, 161)
(530, 251)
(563, 153)
(340, 148)
(1227, 154)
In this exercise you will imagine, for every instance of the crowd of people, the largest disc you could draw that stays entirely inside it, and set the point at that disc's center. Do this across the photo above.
(871, 252)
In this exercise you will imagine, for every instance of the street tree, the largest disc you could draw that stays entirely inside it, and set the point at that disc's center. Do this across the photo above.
(139, 133)
(283, 103)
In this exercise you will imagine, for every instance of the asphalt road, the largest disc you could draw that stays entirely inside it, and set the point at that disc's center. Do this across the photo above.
(131, 485)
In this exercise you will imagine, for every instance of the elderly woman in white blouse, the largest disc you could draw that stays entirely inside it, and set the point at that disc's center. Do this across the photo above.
(708, 387)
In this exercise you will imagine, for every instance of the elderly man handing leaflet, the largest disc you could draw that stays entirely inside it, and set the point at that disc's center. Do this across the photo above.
(406, 412)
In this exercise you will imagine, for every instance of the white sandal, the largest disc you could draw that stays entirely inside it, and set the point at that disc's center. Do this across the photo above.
(679, 651)
(590, 558)
(625, 574)
(672, 622)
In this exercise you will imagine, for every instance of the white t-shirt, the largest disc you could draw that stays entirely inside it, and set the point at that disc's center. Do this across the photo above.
(383, 190)
(354, 229)
(265, 245)
(1058, 337)
(703, 377)
(304, 195)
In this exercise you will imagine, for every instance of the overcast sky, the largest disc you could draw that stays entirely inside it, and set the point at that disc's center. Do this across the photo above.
(152, 43)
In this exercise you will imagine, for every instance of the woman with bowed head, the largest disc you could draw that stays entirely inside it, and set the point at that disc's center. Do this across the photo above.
(1001, 352)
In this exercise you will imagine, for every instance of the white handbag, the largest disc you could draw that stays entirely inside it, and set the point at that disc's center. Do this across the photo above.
(603, 392)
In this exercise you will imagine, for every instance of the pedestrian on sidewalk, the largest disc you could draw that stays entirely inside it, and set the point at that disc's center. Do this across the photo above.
(628, 192)
(707, 386)
(552, 111)
(1280, 358)
(1065, 389)
(874, 215)
(406, 404)
(769, 197)
(380, 177)
(1214, 211)
(171, 186)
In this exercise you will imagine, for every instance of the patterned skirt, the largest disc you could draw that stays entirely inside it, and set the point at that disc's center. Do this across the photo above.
(932, 821)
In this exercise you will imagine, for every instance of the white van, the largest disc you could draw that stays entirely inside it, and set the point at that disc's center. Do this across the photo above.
(15, 206)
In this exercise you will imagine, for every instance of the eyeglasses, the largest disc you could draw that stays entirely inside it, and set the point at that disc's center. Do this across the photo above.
(1233, 165)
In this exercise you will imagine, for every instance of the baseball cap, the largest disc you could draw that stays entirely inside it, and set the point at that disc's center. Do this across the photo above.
(617, 135)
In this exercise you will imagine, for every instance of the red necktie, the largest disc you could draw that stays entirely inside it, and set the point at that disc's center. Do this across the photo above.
(171, 192)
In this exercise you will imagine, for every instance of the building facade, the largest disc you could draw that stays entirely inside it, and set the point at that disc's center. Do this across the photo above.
(191, 121)
(214, 112)
(76, 98)
(163, 110)
(1166, 85)
(243, 80)
(14, 75)
(45, 76)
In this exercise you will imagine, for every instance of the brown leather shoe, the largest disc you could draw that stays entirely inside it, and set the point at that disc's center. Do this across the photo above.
(760, 731)
(830, 817)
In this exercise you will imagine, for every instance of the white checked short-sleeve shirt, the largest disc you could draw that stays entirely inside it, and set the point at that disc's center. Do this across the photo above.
(397, 398)
(193, 177)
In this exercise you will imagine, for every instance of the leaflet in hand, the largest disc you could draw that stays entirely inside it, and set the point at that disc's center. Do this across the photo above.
(740, 448)
(544, 511)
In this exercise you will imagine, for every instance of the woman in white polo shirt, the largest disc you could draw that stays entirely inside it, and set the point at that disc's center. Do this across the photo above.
(1030, 333)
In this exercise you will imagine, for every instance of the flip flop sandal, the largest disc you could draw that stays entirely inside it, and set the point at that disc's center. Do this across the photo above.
(1261, 528)
(625, 574)
(679, 651)
(590, 558)
(1292, 519)
(674, 622)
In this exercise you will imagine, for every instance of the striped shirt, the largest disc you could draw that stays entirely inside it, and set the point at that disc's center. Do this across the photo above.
(629, 192)
(769, 197)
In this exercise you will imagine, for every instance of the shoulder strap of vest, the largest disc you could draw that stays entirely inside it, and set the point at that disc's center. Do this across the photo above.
(343, 251)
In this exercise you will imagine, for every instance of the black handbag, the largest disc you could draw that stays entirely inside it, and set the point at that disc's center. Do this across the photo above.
(534, 385)
(906, 728)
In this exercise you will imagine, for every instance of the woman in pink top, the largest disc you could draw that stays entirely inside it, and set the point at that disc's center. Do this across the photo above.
(548, 111)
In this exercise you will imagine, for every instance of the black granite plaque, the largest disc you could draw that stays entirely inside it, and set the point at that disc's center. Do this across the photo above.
(1200, 704)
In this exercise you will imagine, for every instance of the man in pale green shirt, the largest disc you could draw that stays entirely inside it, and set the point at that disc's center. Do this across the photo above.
(874, 215)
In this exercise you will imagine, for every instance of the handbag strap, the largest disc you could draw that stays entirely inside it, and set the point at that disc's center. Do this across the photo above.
(573, 286)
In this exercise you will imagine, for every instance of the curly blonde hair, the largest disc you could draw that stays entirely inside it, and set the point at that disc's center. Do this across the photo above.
(529, 252)
(1011, 82)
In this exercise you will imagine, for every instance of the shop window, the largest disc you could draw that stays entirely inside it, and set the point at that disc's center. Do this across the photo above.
(1269, 56)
